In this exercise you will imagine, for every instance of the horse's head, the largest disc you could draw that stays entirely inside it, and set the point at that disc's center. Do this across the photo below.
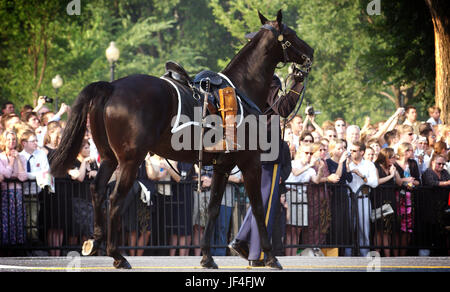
(291, 48)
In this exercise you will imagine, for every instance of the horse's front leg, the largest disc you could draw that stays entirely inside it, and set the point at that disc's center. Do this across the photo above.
(219, 181)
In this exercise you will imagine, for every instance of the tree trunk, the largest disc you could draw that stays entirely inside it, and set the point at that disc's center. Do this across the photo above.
(440, 14)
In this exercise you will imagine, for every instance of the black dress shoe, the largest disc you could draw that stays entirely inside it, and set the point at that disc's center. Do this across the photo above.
(240, 247)
(256, 263)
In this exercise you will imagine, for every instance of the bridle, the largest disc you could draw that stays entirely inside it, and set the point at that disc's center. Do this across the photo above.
(303, 68)
(285, 45)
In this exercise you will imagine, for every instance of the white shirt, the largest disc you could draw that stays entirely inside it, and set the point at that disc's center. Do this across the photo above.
(304, 177)
(367, 169)
(38, 165)
(433, 122)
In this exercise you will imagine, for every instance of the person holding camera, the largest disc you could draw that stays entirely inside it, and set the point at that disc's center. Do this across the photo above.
(364, 175)
(310, 117)
(46, 116)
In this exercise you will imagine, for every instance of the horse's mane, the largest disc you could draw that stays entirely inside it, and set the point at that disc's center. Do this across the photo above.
(249, 46)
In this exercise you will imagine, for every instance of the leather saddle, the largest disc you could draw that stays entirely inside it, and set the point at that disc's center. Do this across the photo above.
(177, 72)
(221, 98)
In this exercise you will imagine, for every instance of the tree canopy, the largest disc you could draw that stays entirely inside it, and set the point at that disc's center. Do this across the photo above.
(363, 64)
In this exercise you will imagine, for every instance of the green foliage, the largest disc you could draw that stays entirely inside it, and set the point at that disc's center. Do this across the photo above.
(357, 56)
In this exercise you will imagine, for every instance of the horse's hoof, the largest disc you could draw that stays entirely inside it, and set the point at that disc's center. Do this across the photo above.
(209, 264)
(89, 248)
(122, 264)
(273, 264)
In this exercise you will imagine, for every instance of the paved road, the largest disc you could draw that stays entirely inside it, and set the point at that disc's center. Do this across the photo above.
(75, 263)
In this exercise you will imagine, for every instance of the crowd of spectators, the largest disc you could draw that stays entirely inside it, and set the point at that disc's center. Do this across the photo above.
(395, 156)
(399, 152)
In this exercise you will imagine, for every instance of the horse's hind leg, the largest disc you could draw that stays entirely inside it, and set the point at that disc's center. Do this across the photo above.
(98, 191)
(125, 179)
(219, 182)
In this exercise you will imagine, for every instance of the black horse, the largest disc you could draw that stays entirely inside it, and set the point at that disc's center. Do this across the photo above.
(132, 116)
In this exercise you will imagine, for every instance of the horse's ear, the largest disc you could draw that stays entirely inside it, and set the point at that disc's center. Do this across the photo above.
(262, 18)
(279, 17)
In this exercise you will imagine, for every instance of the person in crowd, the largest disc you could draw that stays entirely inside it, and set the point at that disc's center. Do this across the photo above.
(411, 119)
(32, 119)
(364, 174)
(440, 148)
(279, 230)
(435, 175)
(49, 116)
(83, 215)
(12, 167)
(391, 138)
(296, 199)
(446, 135)
(409, 173)
(222, 225)
(406, 135)
(384, 194)
(353, 135)
(297, 129)
(157, 168)
(311, 119)
(307, 137)
(8, 108)
(37, 167)
(318, 200)
(338, 202)
(52, 138)
(201, 201)
(9, 120)
(24, 110)
(330, 133)
(289, 139)
(341, 128)
(180, 206)
(336, 163)
(435, 113)
(422, 154)
(137, 208)
(375, 145)
(369, 154)
(53, 202)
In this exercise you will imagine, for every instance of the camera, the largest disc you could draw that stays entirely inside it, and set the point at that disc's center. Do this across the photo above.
(309, 111)
(48, 99)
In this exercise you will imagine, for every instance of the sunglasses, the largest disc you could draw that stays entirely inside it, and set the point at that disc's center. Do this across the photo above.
(440, 164)
(308, 153)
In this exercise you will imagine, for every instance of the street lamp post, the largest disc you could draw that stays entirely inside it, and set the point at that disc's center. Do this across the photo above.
(57, 82)
(112, 54)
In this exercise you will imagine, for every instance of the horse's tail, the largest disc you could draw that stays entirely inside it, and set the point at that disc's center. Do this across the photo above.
(70, 144)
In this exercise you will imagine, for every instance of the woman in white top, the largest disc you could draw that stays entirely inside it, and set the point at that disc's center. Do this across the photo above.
(297, 213)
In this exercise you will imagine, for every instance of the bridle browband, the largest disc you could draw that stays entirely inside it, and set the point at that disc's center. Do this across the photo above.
(285, 44)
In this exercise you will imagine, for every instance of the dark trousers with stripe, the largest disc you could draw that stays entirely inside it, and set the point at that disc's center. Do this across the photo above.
(270, 178)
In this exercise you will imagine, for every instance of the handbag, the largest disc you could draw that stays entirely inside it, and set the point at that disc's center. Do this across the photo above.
(381, 212)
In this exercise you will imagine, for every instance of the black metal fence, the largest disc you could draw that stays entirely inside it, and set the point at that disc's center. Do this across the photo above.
(388, 219)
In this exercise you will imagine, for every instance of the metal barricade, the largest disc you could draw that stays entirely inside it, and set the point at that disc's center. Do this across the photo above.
(385, 219)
